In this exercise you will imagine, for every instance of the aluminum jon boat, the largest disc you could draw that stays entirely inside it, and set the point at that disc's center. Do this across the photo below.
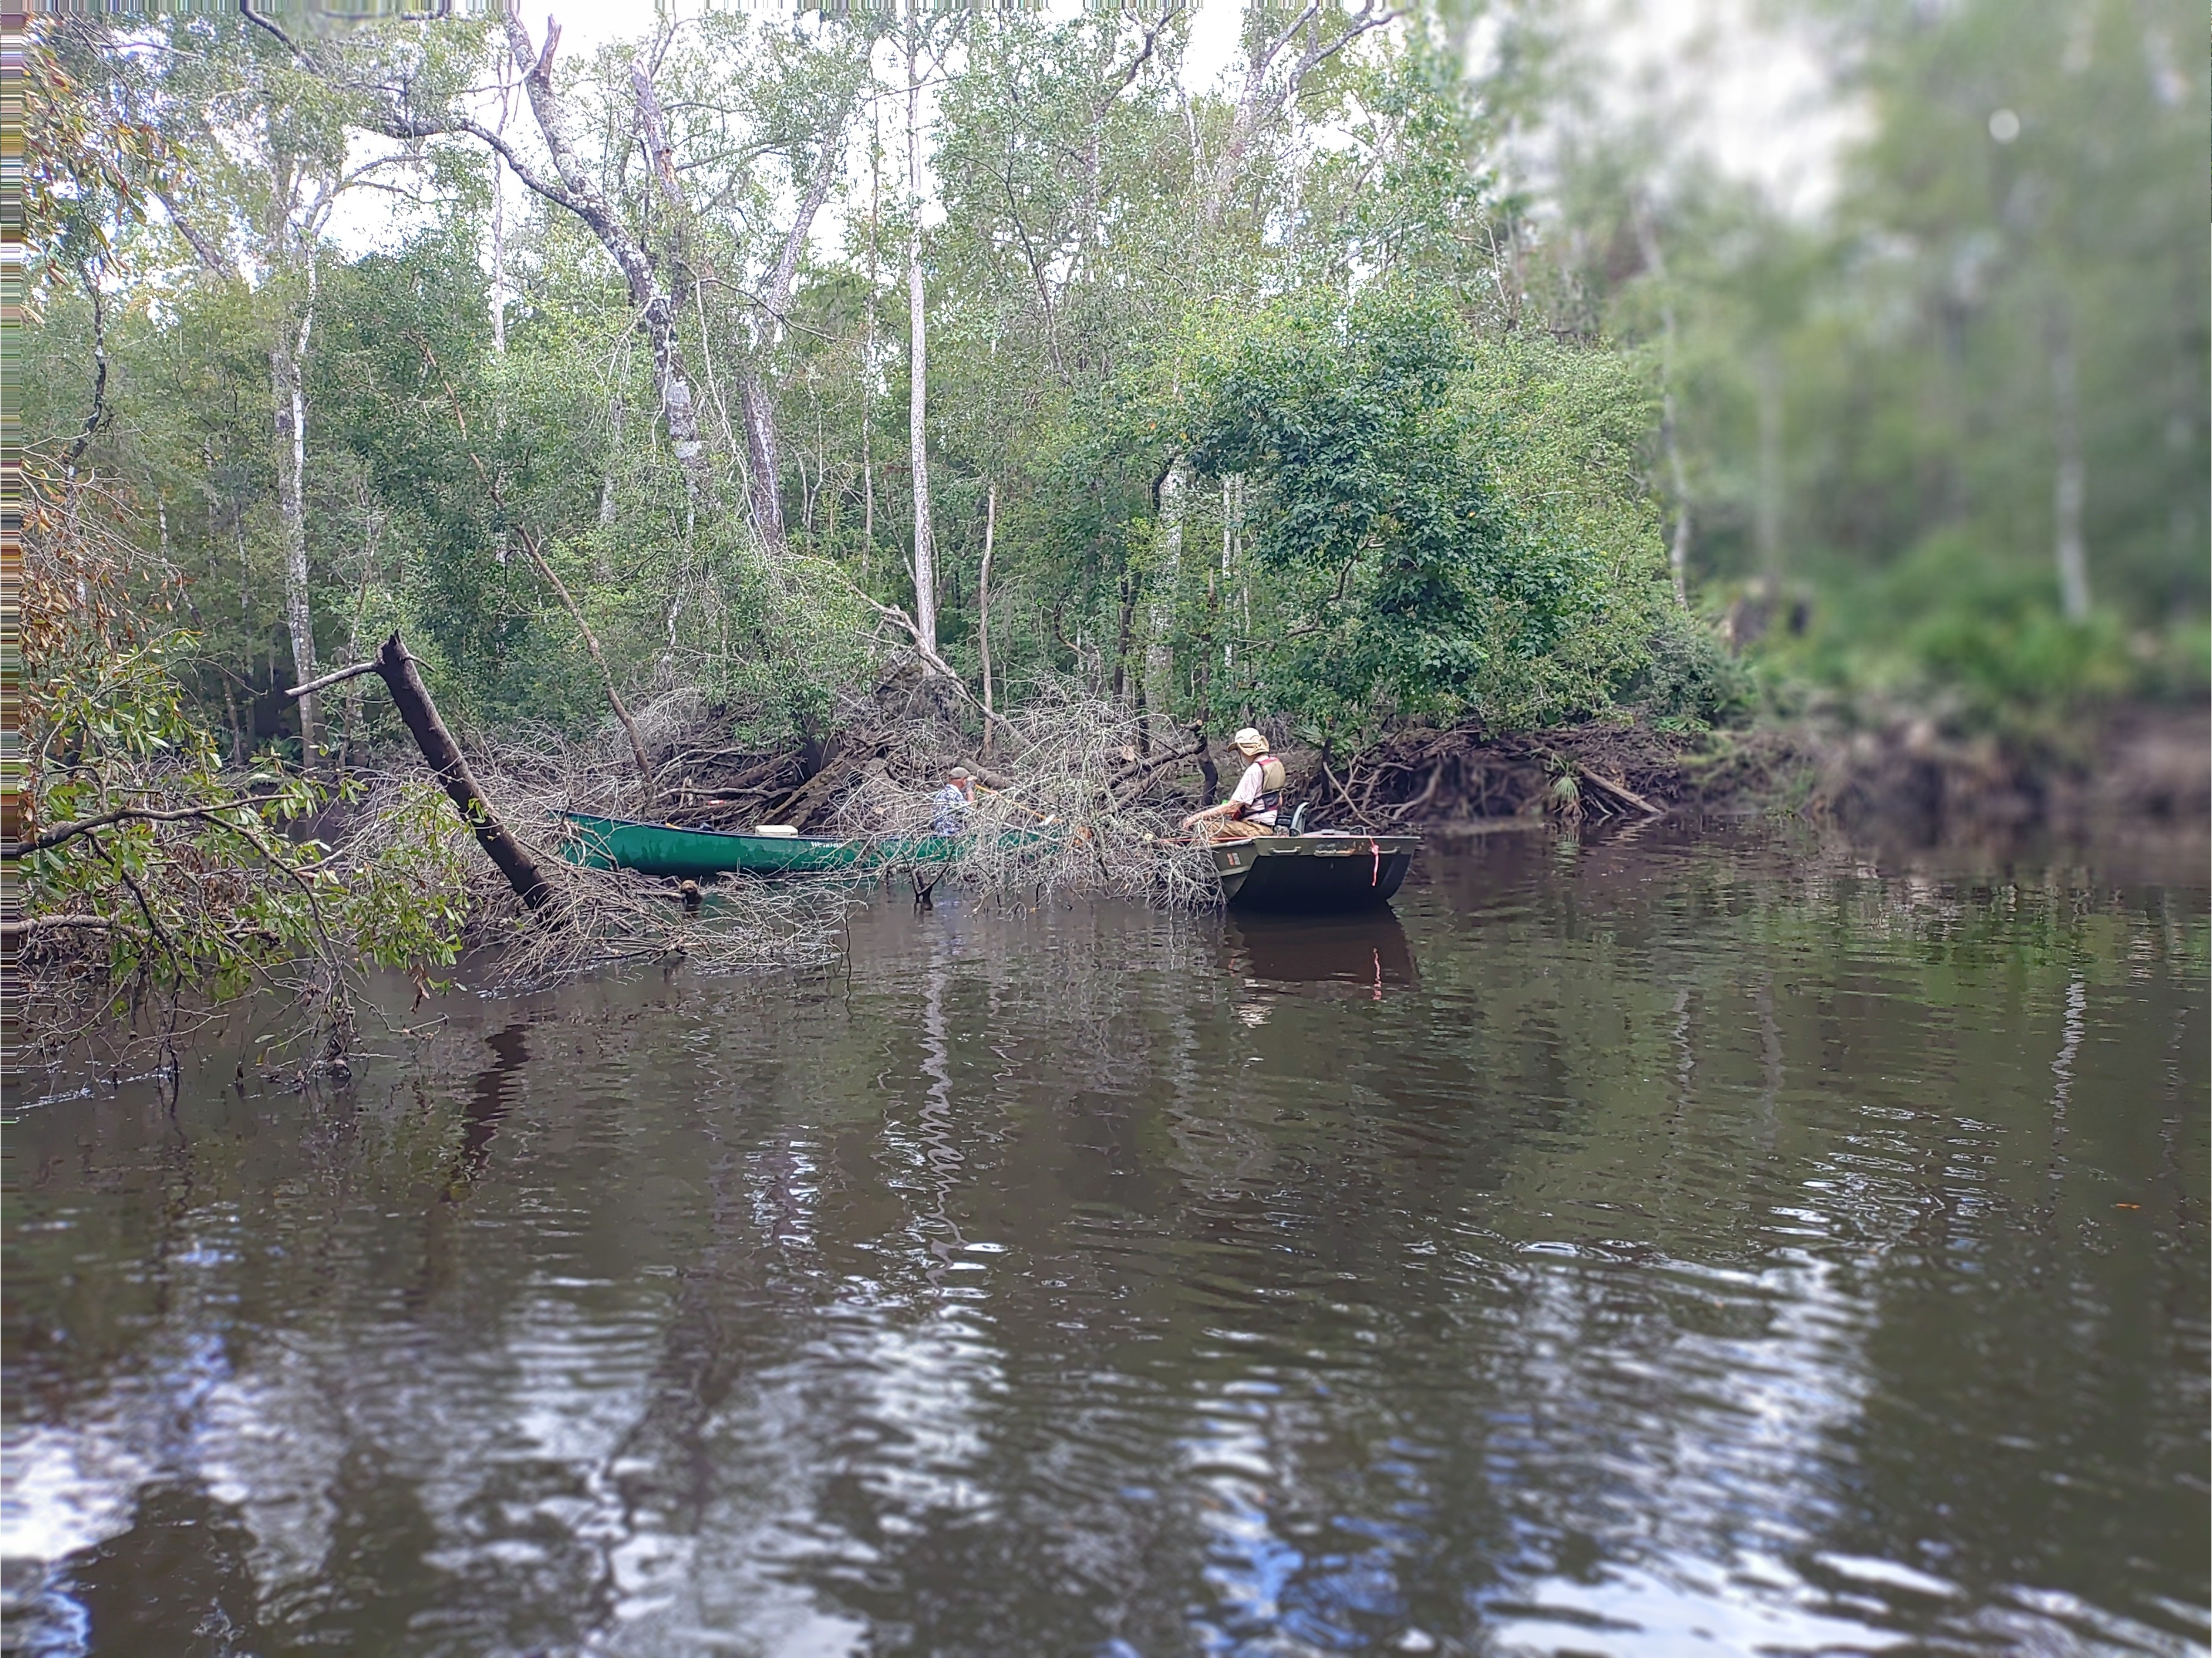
(1335, 870)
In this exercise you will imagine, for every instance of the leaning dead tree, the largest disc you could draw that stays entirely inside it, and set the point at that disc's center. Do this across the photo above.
(392, 663)
(1271, 80)
(386, 104)
(573, 189)
(581, 920)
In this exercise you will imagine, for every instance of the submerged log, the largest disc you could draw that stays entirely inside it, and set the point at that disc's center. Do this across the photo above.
(392, 665)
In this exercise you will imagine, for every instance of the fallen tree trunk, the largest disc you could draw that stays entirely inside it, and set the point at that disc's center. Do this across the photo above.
(392, 665)
(1621, 793)
(1132, 781)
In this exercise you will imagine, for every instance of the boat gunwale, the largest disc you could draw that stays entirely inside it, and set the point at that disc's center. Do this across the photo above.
(580, 818)
(1293, 845)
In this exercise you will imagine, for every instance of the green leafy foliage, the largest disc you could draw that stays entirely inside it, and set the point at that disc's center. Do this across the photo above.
(1451, 523)
(201, 877)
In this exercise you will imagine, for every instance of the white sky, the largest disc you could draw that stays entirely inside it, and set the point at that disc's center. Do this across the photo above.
(1756, 101)
(588, 24)
(1726, 86)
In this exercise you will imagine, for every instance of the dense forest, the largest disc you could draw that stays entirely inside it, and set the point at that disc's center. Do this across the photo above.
(737, 370)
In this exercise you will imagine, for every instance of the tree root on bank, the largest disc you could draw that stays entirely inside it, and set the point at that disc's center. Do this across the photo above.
(1595, 770)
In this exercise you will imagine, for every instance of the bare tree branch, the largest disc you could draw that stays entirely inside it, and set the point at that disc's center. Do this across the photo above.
(16, 931)
(332, 678)
(654, 125)
(63, 832)
(1259, 102)
(204, 250)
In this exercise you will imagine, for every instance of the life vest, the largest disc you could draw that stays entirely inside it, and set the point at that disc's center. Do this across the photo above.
(1273, 777)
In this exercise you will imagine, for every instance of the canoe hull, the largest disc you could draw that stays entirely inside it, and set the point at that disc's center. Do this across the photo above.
(1314, 873)
(699, 854)
(695, 854)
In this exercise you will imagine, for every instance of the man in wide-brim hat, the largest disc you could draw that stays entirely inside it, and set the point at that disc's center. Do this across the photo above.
(1253, 806)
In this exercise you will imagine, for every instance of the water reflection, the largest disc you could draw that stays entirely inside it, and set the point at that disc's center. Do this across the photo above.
(1712, 1243)
(1365, 952)
(489, 1102)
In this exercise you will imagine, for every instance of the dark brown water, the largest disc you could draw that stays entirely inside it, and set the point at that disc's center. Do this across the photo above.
(1682, 1244)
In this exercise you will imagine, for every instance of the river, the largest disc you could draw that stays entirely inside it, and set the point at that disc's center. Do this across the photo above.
(1703, 1240)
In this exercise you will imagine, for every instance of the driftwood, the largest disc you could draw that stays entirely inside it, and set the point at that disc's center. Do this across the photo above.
(395, 668)
(1132, 781)
(1619, 791)
(806, 802)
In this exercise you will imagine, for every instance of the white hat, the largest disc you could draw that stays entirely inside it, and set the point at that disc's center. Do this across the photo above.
(1250, 741)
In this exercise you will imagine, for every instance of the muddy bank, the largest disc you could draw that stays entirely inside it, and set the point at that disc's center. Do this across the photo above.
(1597, 771)
(2138, 770)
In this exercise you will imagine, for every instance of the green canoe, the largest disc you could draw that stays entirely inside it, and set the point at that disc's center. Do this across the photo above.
(664, 849)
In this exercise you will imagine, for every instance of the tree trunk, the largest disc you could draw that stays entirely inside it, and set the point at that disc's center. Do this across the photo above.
(983, 602)
(1258, 102)
(656, 305)
(499, 221)
(868, 345)
(240, 747)
(392, 665)
(1233, 503)
(1678, 552)
(1159, 650)
(1123, 627)
(290, 396)
(764, 444)
(580, 194)
(607, 481)
(350, 741)
(925, 549)
(763, 458)
(1767, 370)
(412, 699)
(2069, 483)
